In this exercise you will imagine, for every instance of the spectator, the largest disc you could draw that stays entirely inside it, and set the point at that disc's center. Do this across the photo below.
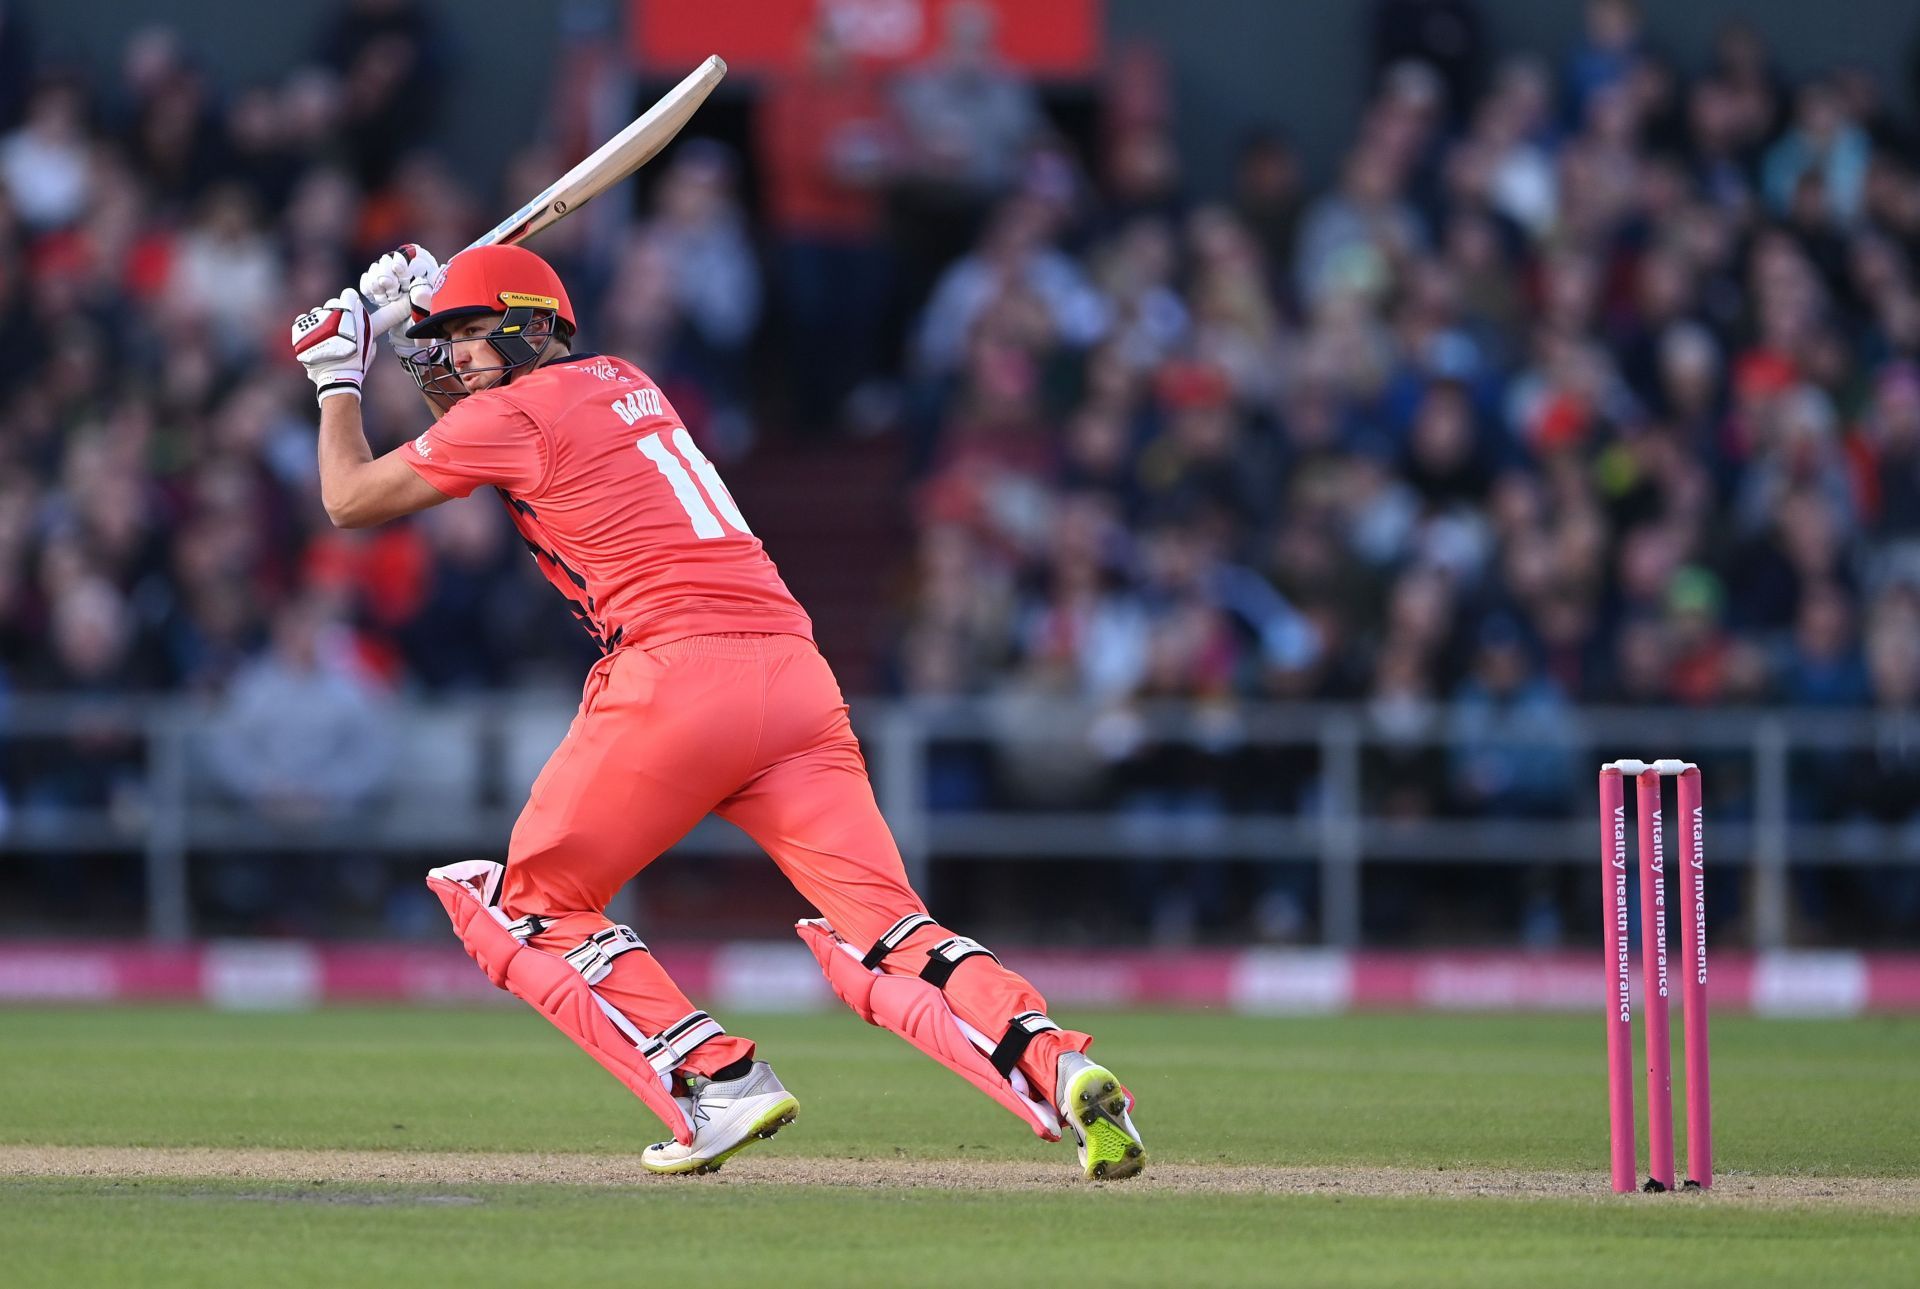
(44, 162)
(1235, 325)
(1886, 453)
(1135, 271)
(1015, 253)
(1607, 54)
(386, 56)
(300, 736)
(1445, 462)
(226, 273)
(1742, 62)
(90, 654)
(1824, 668)
(1359, 238)
(1880, 781)
(966, 118)
(1203, 464)
(1511, 139)
(1719, 141)
(1446, 35)
(701, 233)
(172, 129)
(1268, 195)
(1509, 727)
(1798, 449)
(1826, 145)
(826, 148)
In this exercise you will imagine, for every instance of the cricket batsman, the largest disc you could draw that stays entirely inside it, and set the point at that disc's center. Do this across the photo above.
(709, 696)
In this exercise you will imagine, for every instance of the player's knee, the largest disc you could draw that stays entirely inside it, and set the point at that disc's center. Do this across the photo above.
(548, 889)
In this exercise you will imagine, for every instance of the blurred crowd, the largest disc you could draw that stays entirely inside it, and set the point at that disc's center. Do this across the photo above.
(1588, 377)
(1583, 379)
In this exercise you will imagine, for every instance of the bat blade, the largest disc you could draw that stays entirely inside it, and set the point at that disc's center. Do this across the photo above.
(614, 160)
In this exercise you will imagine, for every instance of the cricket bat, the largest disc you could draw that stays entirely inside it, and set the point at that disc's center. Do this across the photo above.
(637, 144)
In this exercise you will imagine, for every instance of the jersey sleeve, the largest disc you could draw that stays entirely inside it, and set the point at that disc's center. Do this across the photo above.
(481, 441)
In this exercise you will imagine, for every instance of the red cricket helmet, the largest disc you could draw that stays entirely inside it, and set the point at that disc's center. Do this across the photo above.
(507, 280)
(495, 279)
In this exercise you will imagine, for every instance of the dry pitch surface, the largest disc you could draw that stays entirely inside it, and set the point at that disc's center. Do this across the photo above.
(768, 1168)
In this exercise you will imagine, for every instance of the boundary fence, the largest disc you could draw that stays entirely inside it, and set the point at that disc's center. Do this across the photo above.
(460, 769)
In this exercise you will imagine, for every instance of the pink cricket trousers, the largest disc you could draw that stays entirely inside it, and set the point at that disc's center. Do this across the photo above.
(754, 729)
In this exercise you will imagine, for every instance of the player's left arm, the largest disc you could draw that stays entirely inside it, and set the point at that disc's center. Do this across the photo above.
(334, 343)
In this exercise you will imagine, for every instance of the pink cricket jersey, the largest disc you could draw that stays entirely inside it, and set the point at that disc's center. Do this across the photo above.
(622, 511)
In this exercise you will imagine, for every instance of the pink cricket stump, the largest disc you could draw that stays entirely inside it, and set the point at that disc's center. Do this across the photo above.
(1654, 980)
(1693, 980)
(1617, 943)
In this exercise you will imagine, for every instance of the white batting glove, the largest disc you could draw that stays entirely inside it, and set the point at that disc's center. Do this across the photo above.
(334, 344)
(394, 274)
(420, 296)
(398, 275)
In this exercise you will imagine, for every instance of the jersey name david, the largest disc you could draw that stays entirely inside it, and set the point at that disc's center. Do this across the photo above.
(623, 512)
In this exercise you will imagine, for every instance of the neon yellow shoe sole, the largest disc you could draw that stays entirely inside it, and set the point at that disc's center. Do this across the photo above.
(1110, 1150)
(769, 1121)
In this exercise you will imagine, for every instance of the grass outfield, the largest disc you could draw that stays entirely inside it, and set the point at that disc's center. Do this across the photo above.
(1285, 1151)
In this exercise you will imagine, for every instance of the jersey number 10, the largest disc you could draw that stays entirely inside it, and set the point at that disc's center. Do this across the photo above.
(689, 493)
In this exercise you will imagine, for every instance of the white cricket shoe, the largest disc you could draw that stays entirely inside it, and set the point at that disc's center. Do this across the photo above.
(727, 1118)
(1094, 1105)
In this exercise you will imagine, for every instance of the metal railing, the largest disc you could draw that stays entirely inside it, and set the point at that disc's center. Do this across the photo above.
(499, 740)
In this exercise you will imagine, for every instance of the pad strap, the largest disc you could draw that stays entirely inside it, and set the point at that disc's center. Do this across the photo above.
(1013, 1044)
(668, 1052)
(593, 957)
(948, 954)
(895, 936)
(524, 929)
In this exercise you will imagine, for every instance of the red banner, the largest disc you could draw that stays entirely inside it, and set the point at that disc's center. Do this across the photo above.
(1056, 38)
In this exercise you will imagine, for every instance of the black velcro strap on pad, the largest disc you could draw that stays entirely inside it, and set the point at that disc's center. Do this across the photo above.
(896, 933)
(1013, 1045)
(524, 929)
(948, 954)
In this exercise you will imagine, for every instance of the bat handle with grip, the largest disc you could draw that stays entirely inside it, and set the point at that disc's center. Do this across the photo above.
(388, 316)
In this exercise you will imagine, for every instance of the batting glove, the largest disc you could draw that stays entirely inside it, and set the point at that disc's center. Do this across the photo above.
(334, 344)
(390, 277)
(400, 275)
(420, 296)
